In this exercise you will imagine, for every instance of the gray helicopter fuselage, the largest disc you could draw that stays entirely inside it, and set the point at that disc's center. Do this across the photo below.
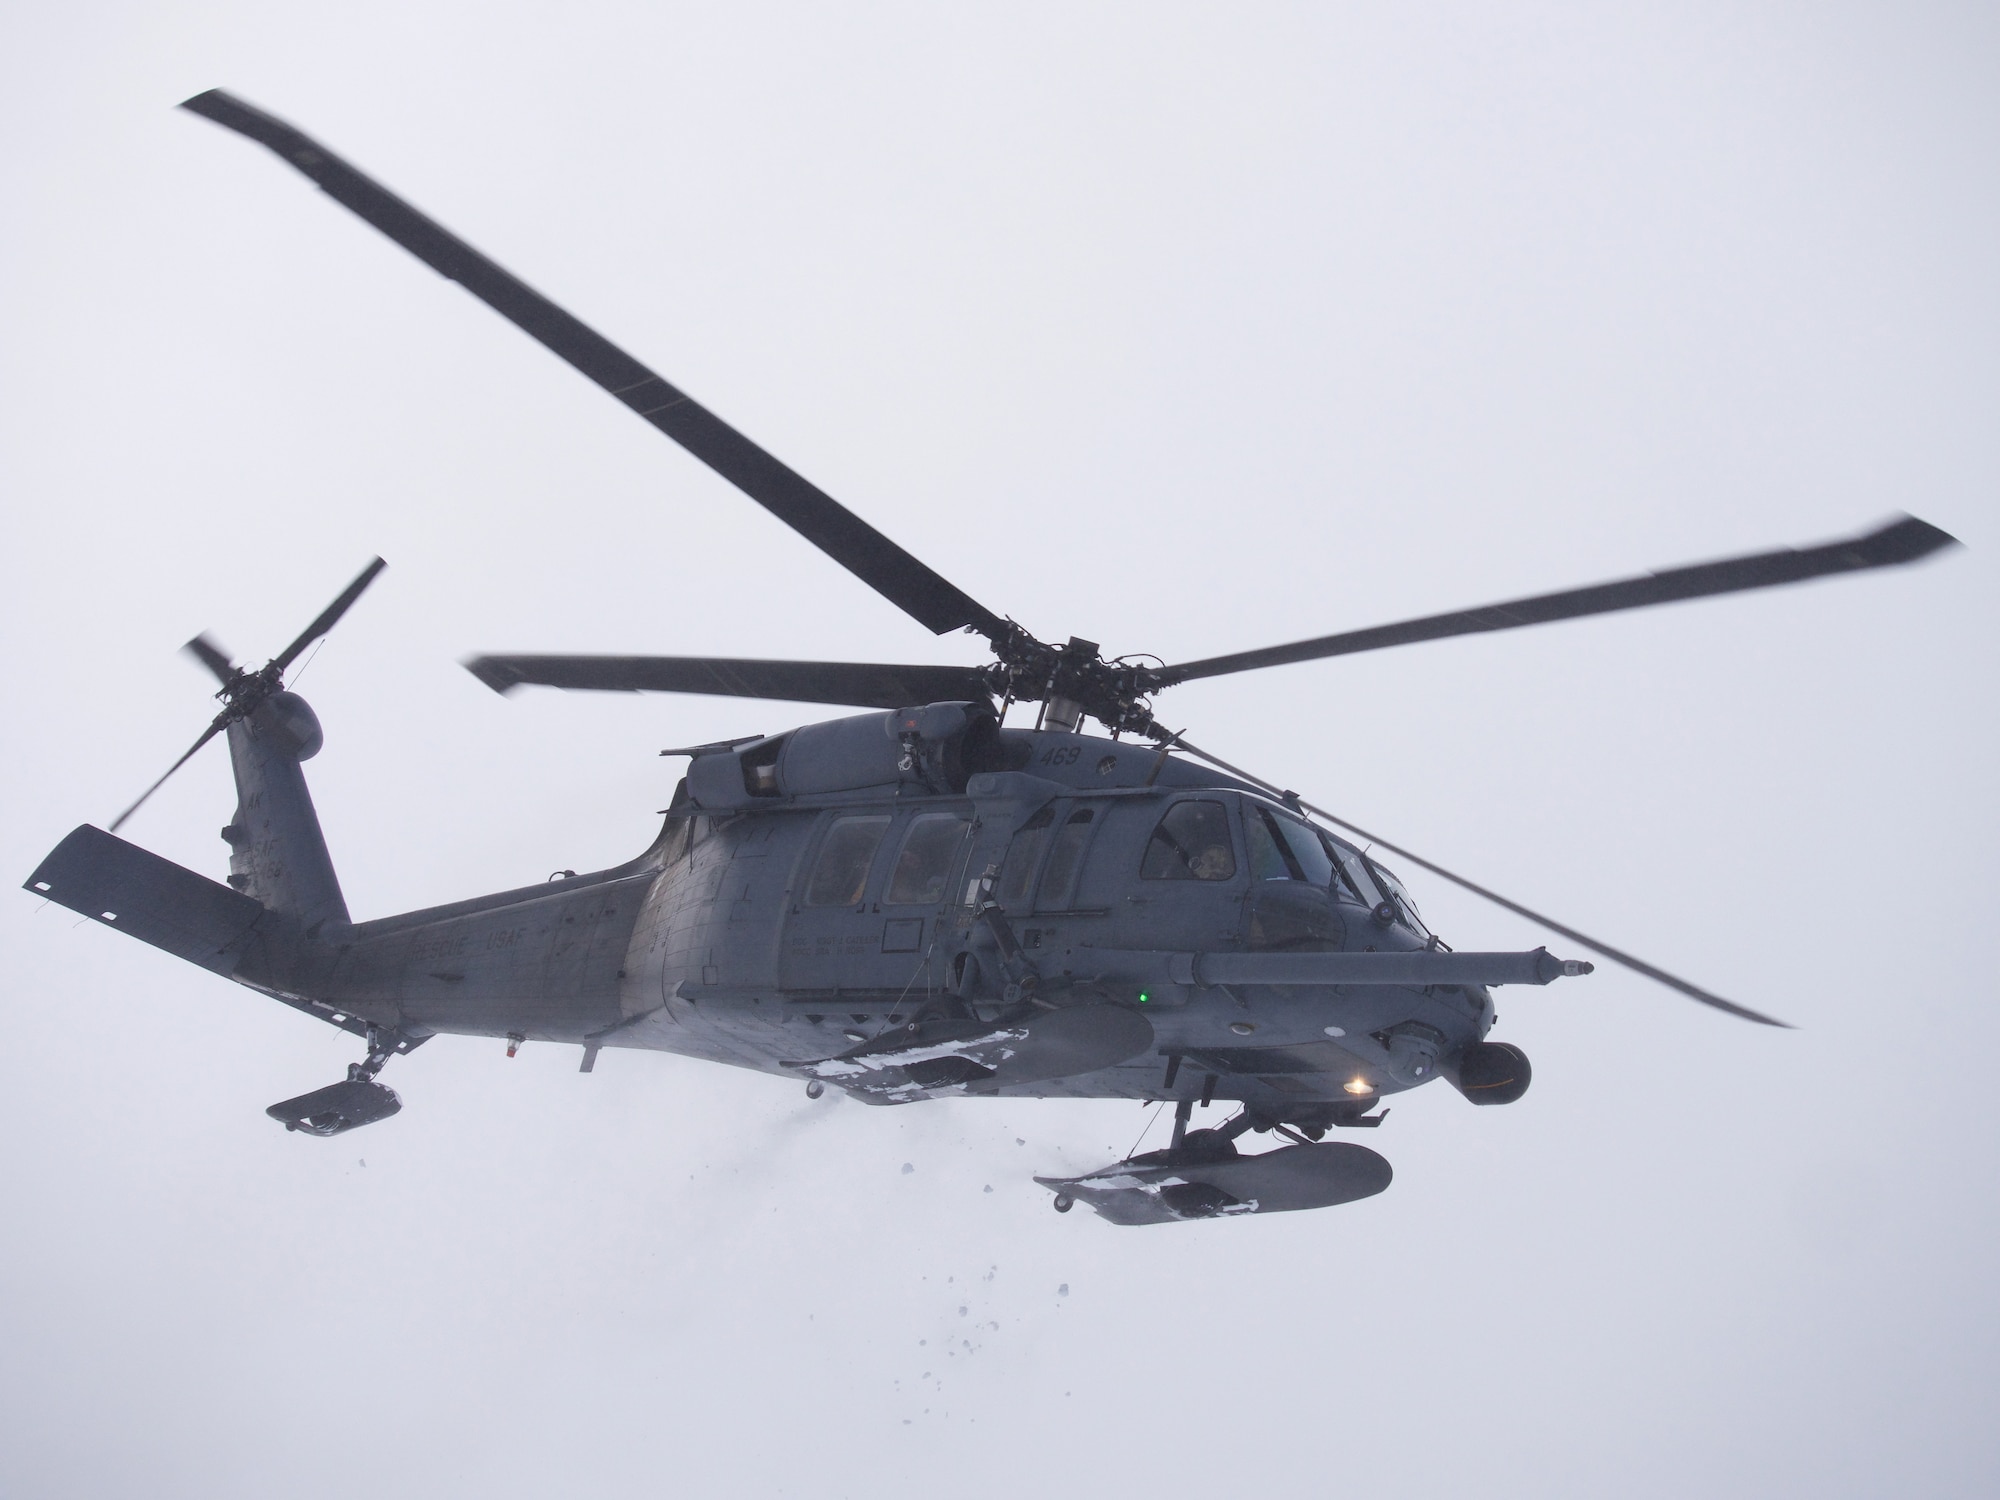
(812, 891)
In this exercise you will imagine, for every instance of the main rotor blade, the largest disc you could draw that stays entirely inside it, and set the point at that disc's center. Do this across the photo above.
(850, 541)
(206, 735)
(859, 684)
(1605, 950)
(1901, 541)
(328, 617)
(212, 656)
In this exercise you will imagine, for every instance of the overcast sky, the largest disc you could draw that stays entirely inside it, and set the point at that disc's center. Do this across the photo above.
(1185, 328)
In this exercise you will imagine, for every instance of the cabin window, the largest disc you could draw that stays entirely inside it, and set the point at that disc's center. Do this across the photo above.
(1024, 857)
(1191, 843)
(1066, 859)
(924, 865)
(841, 873)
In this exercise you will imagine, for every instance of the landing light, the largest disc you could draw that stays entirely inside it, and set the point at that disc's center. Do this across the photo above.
(1358, 1086)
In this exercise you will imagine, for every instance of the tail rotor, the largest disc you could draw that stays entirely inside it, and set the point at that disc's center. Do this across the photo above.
(243, 691)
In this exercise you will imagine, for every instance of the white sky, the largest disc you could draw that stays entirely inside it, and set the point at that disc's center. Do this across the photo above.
(1186, 328)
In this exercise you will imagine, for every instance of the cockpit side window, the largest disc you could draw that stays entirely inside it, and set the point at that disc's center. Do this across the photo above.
(1024, 857)
(840, 875)
(1270, 856)
(1191, 843)
(924, 863)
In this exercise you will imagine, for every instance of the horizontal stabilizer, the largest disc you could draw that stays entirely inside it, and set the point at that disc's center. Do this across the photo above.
(154, 900)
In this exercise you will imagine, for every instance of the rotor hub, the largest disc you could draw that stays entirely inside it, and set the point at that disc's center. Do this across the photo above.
(1073, 680)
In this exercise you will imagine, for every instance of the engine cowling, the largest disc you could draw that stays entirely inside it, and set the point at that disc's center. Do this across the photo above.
(938, 747)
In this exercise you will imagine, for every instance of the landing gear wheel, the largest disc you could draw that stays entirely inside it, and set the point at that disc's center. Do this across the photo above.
(1064, 1203)
(815, 1089)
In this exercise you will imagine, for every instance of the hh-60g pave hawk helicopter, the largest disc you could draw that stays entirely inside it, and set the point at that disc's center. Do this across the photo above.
(912, 903)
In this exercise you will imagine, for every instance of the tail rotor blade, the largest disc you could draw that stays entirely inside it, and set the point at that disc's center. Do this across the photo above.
(1603, 950)
(328, 617)
(212, 656)
(206, 735)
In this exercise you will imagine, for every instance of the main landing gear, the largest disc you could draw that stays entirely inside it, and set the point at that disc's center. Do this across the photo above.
(355, 1101)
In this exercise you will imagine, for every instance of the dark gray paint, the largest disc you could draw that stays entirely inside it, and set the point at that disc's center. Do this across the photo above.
(705, 945)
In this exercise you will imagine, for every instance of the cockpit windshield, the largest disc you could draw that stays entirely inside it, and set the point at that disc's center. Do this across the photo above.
(1315, 865)
(1269, 858)
(1283, 848)
(1355, 881)
(1402, 899)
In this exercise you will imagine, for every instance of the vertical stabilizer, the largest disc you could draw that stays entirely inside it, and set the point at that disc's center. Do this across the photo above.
(277, 854)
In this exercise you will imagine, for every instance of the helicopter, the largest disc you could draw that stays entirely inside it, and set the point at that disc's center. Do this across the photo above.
(914, 902)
